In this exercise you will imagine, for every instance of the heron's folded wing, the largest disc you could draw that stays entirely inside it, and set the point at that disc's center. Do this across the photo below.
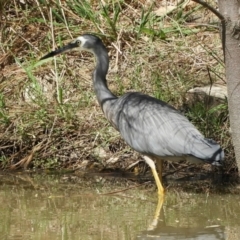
(151, 126)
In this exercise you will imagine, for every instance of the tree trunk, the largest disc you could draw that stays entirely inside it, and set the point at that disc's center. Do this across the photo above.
(230, 9)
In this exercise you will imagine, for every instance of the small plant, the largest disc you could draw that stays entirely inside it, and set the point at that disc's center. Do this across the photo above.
(112, 22)
(4, 118)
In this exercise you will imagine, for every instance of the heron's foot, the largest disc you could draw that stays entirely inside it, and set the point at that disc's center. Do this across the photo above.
(158, 183)
(151, 163)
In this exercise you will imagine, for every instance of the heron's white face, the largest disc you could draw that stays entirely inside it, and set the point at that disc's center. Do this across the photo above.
(81, 41)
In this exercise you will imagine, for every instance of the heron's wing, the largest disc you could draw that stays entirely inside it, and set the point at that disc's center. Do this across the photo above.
(151, 126)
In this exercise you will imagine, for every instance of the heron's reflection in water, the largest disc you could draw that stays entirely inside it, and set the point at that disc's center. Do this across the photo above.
(159, 230)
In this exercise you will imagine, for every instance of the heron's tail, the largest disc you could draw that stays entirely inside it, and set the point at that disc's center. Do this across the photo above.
(208, 151)
(217, 152)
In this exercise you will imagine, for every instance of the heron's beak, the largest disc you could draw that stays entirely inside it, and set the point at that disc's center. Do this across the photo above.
(61, 50)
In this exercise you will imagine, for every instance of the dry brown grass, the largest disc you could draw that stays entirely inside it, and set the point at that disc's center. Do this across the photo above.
(55, 122)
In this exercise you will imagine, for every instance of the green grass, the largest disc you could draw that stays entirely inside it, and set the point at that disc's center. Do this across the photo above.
(52, 102)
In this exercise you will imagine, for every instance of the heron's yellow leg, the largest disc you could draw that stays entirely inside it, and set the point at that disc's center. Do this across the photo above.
(151, 164)
(158, 182)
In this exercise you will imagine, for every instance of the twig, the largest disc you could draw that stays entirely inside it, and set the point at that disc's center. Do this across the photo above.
(50, 134)
(65, 21)
(55, 62)
(177, 170)
(221, 17)
(26, 160)
(41, 11)
(11, 29)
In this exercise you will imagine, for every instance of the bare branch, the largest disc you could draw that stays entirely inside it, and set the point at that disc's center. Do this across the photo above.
(221, 17)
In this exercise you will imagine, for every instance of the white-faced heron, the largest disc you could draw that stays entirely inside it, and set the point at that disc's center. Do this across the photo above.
(150, 126)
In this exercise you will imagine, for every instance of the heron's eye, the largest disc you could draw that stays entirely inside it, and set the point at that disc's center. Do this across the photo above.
(78, 43)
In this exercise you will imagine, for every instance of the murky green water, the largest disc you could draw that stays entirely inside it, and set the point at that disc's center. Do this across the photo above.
(63, 207)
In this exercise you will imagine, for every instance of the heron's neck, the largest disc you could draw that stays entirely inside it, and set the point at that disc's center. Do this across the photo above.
(99, 76)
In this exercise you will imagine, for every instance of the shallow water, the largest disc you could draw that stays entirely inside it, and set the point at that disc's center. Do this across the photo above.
(43, 206)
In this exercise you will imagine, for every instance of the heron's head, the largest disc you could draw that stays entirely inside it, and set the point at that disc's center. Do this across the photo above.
(85, 42)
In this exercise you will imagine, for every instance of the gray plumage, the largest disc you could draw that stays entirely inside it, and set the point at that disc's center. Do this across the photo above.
(150, 126)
